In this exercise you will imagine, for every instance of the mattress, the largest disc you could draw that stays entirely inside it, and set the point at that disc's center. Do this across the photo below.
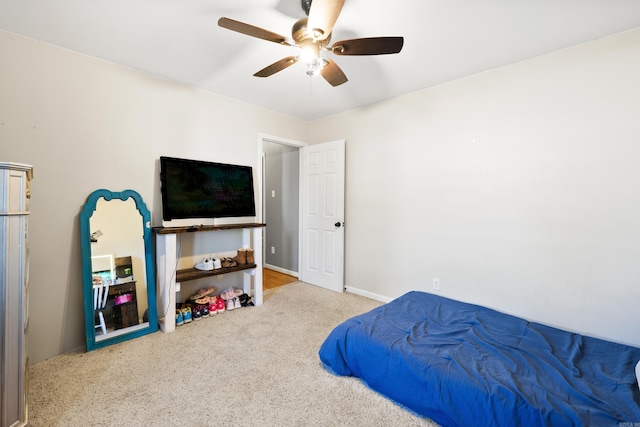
(461, 364)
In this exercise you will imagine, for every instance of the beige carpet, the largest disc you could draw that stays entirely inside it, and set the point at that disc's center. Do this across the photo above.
(254, 366)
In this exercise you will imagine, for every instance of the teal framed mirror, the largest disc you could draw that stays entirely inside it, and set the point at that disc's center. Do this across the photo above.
(118, 272)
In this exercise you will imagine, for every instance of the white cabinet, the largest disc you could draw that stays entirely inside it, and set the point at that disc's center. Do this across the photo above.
(168, 277)
(14, 288)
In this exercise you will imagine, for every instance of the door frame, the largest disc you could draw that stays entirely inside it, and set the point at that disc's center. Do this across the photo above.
(262, 138)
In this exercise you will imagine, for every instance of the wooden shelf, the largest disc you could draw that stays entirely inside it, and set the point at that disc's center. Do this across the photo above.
(193, 274)
(166, 246)
(195, 228)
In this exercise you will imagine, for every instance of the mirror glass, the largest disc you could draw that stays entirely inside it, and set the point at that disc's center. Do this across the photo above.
(118, 270)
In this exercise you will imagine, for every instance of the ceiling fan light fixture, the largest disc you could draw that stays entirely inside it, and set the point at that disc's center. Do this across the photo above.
(309, 53)
(314, 68)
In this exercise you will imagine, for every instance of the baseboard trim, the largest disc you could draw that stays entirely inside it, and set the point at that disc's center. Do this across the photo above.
(370, 295)
(281, 270)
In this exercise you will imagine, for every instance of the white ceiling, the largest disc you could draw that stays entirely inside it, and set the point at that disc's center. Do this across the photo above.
(444, 40)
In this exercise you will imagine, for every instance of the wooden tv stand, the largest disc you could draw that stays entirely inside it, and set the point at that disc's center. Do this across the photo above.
(168, 278)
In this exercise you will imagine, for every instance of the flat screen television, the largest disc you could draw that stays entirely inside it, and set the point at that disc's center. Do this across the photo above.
(197, 191)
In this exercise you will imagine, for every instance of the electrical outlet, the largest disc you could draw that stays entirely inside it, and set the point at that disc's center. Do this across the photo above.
(273, 249)
(436, 284)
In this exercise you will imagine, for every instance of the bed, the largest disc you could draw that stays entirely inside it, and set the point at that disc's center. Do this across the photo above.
(461, 364)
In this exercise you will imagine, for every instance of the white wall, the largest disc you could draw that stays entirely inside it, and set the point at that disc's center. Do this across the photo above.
(86, 124)
(519, 188)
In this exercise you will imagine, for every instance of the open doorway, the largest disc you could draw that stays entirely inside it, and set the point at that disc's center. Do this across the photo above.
(280, 210)
(310, 235)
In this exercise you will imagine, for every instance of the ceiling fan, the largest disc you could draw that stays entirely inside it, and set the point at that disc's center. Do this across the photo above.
(313, 35)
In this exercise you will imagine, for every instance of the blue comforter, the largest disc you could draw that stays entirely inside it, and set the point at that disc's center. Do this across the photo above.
(461, 365)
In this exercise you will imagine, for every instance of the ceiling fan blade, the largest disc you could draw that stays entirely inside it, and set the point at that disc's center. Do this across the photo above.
(368, 46)
(250, 30)
(333, 74)
(277, 66)
(323, 16)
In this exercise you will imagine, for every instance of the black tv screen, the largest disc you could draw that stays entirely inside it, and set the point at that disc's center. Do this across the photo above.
(199, 189)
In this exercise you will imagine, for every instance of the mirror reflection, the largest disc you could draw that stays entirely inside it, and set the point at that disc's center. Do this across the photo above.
(118, 273)
(117, 251)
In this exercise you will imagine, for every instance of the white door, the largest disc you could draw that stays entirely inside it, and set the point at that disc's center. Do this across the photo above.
(322, 215)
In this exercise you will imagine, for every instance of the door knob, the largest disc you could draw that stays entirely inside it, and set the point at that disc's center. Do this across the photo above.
(338, 224)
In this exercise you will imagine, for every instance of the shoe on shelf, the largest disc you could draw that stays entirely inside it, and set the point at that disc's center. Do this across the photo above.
(220, 305)
(179, 321)
(230, 293)
(230, 305)
(250, 257)
(204, 309)
(241, 258)
(227, 294)
(245, 300)
(196, 313)
(236, 302)
(201, 293)
(213, 306)
(217, 264)
(186, 314)
(228, 262)
(205, 264)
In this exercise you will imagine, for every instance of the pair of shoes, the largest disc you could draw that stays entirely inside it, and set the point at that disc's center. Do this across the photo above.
(213, 306)
(230, 293)
(220, 304)
(204, 310)
(245, 256)
(205, 264)
(228, 262)
(208, 264)
(204, 292)
(233, 303)
(196, 313)
(245, 300)
(179, 320)
(186, 314)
